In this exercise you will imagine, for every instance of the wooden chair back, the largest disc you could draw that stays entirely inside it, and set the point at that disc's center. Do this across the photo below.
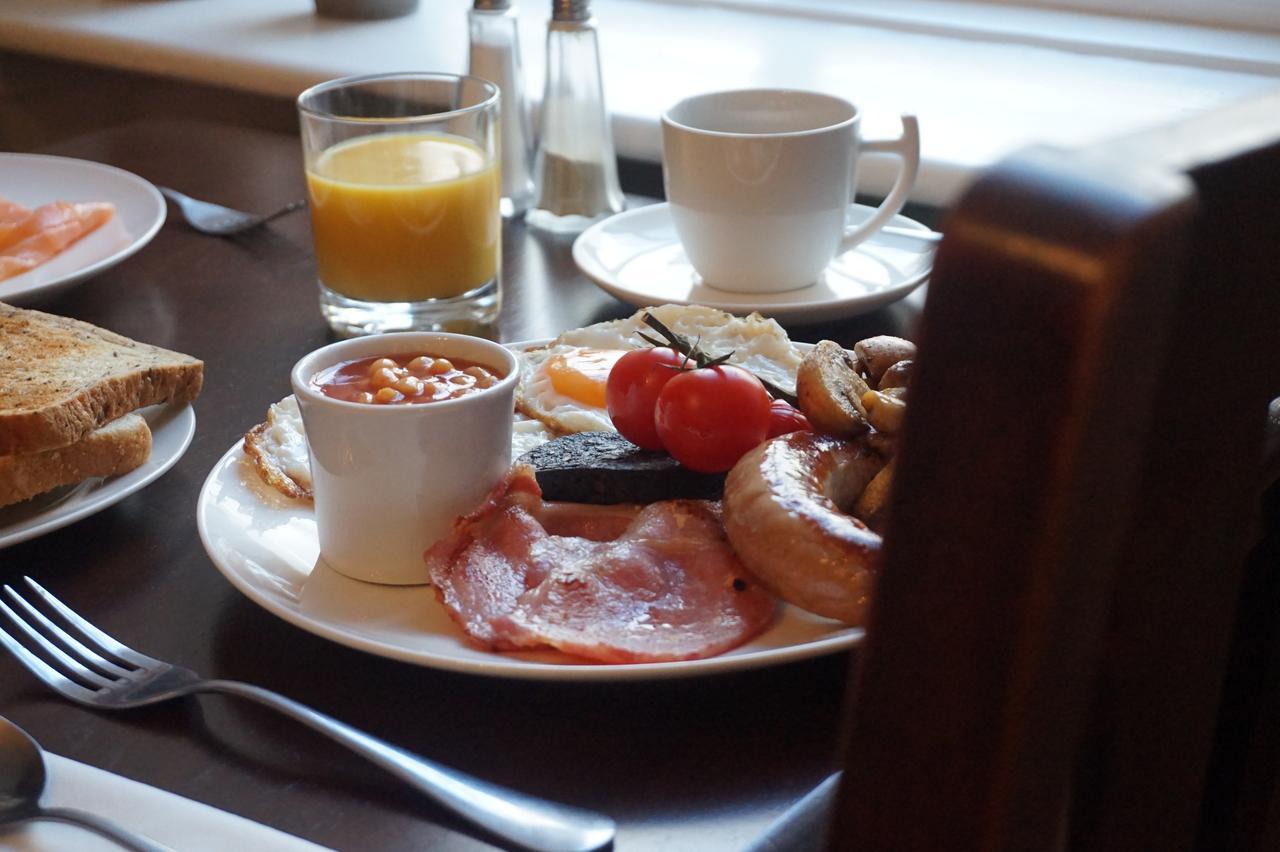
(1060, 612)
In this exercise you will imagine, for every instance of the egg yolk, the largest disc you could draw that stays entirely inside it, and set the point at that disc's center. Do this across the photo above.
(581, 374)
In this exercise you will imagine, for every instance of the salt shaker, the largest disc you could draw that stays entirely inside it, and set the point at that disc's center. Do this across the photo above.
(495, 56)
(575, 171)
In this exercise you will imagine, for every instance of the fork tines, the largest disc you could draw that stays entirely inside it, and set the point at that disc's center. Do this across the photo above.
(73, 667)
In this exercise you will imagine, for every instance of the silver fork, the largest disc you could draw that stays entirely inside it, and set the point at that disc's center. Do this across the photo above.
(216, 220)
(102, 673)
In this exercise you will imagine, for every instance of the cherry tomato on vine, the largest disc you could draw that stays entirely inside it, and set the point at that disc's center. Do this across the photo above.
(784, 418)
(632, 390)
(707, 418)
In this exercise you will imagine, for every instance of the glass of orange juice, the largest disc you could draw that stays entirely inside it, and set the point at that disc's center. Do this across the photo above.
(403, 186)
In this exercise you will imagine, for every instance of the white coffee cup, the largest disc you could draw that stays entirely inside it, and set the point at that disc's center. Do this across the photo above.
(760, 183)
(389, 480)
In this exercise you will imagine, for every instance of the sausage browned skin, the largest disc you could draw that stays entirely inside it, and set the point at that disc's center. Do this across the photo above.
(785, 513)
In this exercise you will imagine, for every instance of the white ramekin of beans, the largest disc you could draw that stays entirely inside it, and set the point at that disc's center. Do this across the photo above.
(406, 432)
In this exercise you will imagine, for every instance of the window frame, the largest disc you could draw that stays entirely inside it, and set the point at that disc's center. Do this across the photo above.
(1231, 14)
(1126, 29)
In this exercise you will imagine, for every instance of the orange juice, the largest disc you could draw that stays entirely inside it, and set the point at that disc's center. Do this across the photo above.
(405, 216)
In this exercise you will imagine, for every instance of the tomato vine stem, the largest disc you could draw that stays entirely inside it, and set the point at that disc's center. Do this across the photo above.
(692, 351)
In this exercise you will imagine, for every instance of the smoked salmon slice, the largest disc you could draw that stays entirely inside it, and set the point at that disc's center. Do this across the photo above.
(28, 238)
(16, 222)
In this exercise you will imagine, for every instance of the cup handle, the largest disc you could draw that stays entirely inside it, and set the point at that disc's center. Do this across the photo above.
(907, 148)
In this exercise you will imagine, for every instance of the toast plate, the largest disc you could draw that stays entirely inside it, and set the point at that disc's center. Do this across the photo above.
(35, 179)
(637, 257)
(171, 430)
(266, 546)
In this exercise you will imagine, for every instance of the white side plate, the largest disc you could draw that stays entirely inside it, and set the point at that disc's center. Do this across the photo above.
(171, 431)
(35, 179)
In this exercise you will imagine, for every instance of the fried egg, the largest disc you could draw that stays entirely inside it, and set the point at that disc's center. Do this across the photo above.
(278, 447)
(562, 383)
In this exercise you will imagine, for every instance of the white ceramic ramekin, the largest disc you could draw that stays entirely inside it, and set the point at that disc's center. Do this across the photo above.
(390, 479)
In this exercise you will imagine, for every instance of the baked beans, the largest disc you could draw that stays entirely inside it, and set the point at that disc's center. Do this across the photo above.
(403, 379)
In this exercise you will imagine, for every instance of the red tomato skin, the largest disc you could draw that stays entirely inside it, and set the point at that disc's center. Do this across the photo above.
(632, 390)
(784, 418)
(708, 418)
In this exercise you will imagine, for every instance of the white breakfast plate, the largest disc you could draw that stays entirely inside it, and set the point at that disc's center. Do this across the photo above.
(265, 544)
(171, 431)
(637, 257)
(35, 179)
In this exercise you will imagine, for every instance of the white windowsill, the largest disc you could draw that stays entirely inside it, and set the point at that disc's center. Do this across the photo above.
(983, 80)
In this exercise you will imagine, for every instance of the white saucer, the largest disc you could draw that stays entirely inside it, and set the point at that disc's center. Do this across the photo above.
(35, 179)
(637, 257)
(171, 430)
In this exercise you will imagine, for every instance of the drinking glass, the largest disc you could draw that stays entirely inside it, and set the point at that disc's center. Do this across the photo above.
(404, 188)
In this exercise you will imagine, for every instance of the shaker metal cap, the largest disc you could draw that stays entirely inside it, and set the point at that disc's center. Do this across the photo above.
(492, 5)
(570, 10)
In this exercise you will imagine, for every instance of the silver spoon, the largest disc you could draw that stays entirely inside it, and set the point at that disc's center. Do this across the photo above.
(22, 781)
(928, 236)
(219, 221)
(909, 239)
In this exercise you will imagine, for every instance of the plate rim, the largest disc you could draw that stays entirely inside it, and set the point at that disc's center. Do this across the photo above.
(508, 668)
(154, 223)
(505, 667)
(798, 312)
(115, 488)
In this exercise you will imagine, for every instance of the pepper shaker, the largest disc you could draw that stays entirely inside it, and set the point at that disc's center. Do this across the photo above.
(495, 56)
(575, 171)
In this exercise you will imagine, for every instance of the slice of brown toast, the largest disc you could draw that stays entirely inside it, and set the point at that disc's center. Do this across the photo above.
(60, 379)
(116, 448)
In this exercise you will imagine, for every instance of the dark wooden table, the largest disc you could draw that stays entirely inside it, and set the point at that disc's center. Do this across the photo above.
(701, 763)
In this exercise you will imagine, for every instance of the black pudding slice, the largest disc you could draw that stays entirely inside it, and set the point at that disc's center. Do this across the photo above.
(604, 467)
